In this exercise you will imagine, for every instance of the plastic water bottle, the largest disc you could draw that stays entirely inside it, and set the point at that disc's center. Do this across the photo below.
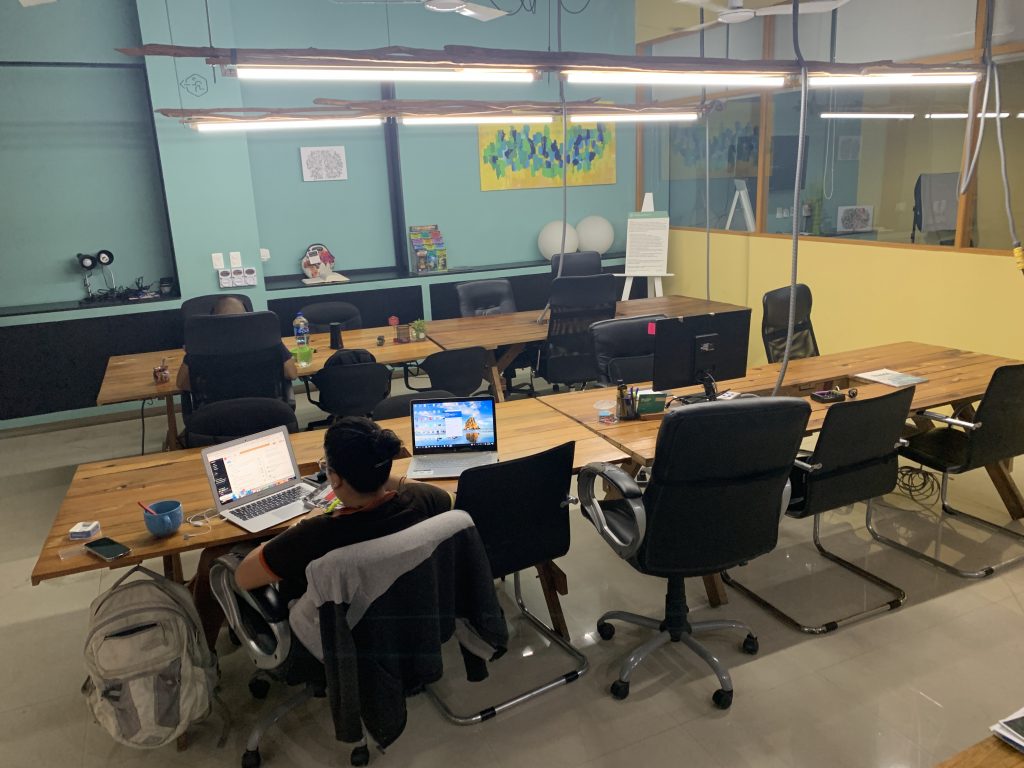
(301, 327)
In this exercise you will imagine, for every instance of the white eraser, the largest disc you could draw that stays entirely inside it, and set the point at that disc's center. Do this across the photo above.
(84, 530)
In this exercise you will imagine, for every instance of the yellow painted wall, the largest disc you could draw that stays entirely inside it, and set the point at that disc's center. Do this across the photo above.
(656, 18)
(864, 294)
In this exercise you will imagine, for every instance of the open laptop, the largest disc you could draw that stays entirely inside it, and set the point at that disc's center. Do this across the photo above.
(451, 435)
(255, 481)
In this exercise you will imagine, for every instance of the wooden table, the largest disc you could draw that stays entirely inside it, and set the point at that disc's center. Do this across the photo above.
(990, 753)
(517, 329)
(129, 378)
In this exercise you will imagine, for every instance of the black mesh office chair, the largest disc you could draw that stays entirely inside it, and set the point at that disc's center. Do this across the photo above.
(624, 349)
(230, 419)
(992, 435)
(203, 305)
(576, 264)
(460, 371)
(349, 390)
(495, 297)
(321, 314)
(854, 460)
(523, 529)
(775, 321)
(713, 502)
(567, 356)
(398, 406)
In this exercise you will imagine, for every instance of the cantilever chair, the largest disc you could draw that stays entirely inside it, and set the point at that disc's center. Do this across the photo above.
(321, 314)
(624, 349)
(495, 297)
(775, 322)
(230, 419)
(567, 356)
(719, 474)
(459, 371)
(203, 305)
(855, 459)
(576, 264)
(995, 435)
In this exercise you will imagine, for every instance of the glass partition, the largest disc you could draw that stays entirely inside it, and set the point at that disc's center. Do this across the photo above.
(990, 224)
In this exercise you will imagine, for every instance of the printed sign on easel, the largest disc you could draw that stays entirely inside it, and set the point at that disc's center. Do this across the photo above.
(646, 250)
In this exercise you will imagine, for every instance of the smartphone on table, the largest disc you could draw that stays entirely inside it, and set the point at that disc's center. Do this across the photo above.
(107, 549)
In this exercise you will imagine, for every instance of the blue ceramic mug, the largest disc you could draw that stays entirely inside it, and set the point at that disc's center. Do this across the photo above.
(167, 519)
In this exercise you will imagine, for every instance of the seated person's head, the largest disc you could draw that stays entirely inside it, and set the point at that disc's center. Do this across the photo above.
(228, 305)
(359, 454)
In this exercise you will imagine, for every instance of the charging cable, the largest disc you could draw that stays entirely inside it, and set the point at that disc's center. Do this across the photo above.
(201, 520)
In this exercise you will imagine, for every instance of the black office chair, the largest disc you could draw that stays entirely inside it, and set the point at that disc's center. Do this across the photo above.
(576, 264)
(775, 321)
(495, 297)
(624, 349)
(521, 510)
(459, 371)
(321, 314)
(713, 502)
(567, 357)
(993, 435)
(230, 419)
(348, 390)
(398, 406)
(854, 460)
(203, 305)
(232, 356)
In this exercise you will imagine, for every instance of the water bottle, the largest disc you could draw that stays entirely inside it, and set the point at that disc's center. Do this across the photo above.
(301, 327)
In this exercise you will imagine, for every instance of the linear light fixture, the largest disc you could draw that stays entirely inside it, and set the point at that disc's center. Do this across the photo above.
(620, 77)
(228, 126)
(890, 79)
(867, 115)
(477, 120)
(377, 74)
(963, 115)
(635, 117)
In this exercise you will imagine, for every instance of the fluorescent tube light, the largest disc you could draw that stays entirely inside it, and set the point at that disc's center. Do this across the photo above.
(867, 115)
(963, 115)
(891, 78)
(284, 125)
(371, 74)
(477, 120)
(635, 117)
(619, 77)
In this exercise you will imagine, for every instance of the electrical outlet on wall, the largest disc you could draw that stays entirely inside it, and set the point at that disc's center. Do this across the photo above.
(264, 254)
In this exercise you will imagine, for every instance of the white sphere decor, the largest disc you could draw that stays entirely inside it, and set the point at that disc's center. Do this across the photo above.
(596, 234)
(549, 241)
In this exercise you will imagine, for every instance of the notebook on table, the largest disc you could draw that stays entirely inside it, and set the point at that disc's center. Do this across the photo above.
(255, 481)
(451, 435)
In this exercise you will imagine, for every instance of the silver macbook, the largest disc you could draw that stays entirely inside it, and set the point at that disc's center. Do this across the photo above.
(255, 481)
(451, 435)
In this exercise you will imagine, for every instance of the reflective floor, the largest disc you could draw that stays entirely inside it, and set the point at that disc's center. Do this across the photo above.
(903, 689)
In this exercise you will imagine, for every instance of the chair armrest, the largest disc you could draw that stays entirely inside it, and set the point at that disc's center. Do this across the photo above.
(933, 416)
(805, 466)
(629, 491)
(309, 392)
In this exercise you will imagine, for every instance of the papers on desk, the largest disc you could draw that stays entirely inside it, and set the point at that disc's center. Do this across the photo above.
(1011, 730)
(891, 378)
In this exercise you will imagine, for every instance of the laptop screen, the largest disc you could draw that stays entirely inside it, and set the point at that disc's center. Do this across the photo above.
(251, 466)
(447, 426)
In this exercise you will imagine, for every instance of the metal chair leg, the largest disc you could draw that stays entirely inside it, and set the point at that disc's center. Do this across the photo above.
(582, 665)
(946, 509)
(899, 596)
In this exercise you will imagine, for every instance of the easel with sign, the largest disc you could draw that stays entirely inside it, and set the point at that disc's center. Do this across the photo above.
(646, 248)
(741, 198)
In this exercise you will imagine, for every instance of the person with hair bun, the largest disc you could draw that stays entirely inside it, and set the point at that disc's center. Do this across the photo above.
(372, 504)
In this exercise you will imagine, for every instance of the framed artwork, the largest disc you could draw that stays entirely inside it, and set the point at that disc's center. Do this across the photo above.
(855, 218)
(531, 156)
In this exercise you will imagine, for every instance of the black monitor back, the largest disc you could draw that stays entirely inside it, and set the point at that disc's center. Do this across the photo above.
(715, 343)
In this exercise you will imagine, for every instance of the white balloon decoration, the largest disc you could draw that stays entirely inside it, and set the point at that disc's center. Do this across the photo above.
(595, 234)
(550, 239)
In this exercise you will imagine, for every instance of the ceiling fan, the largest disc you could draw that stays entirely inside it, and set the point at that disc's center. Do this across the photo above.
(471, 10)
(734, 12)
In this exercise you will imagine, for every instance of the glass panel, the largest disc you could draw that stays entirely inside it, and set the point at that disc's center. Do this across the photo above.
(904, 30)
(991, 230)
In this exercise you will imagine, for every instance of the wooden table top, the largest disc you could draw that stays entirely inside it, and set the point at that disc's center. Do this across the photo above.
(990, 753)
(953, 375)
(108, 490)
(492, 331)
(130, 377)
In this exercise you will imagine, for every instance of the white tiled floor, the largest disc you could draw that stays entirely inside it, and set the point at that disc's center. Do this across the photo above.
(901, 690)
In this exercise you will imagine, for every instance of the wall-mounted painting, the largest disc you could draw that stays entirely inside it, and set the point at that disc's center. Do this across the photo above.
(855, 218)
(531, 156)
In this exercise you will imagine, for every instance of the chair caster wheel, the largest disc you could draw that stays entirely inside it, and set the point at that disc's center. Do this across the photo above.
(722, 699)
(360, 755)
(259, 688)
(620, 689)
(750, 645)
(251, 758)
(605, 630)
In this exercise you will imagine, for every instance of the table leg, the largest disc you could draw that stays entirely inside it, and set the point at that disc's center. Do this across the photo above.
(715, 588)
(172, 424)
(172, 568)
(554, 583)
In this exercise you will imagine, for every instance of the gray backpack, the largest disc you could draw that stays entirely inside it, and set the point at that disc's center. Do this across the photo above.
(151, 673)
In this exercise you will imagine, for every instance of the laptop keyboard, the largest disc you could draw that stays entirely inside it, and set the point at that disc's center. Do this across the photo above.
(270, 503)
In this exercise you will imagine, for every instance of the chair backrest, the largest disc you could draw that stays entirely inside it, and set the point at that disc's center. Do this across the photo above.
(485, 297)
(775, 320)
(352, 390)
(577, 264)
(398, 406)
(460, 371)
(520, 508)
(576, 304)
(232, 356)
(321, 314)
(203, 305)
(1001, 414)
(229, 419)
(624, 348)
(716, 485)
(857, 452)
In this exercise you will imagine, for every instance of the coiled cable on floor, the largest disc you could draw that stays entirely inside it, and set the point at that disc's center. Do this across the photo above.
(917, 483)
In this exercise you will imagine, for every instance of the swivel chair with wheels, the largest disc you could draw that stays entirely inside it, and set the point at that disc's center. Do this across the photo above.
(398, 406)
(459, 371)
(495, 297)
(354, 389)
(567, 356)
(711, 503)
(624, 349)
(227, 420)
(576, 264)
(775, 324)
(203, 305)
(854, 460)
(989, 437)
(321, 314)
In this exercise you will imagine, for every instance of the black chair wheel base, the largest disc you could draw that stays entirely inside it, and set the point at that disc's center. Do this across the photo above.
(722, 698)
(360, 755)
(259, 688)
(620, 689)
(605, 630)
(251, 758)
(750, 645)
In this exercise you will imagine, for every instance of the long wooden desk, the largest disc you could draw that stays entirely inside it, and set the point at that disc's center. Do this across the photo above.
(990, 753)
(517, 329)
(129, 378)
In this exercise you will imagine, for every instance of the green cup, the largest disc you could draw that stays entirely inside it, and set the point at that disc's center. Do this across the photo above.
(303, 356)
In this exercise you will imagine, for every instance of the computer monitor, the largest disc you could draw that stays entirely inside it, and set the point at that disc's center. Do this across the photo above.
(689, 349)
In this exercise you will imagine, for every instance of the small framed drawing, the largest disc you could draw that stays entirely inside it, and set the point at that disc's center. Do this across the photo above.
(323, 163)
(855, 218)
